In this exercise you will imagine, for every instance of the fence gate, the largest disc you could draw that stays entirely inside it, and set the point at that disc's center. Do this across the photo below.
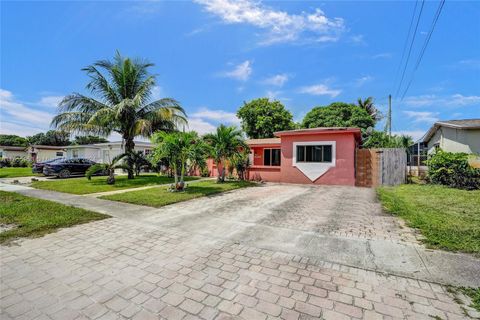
(375, 167)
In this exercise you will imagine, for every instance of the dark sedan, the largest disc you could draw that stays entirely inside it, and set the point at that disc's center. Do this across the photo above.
(38, 167)
(67, 168)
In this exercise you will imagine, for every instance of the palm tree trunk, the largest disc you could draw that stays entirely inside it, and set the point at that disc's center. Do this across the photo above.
(219, 177)
(129, 147)
(223, 170)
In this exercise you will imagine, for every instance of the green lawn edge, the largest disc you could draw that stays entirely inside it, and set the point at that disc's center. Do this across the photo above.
(98, 184)
(17, 172)
(161, 196)
(448, 218)
(37, 217)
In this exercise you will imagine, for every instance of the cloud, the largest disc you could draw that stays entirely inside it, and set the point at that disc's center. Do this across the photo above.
(454, 100)
(384, 55)
(201, 126)
(7, 127)
(320, 90)
(415, 134)
(469, 64)
(363, 80)
(17, 112)
(216, 115)
(241, 72)
(277, 80)
(279, 26)
(50, 101)
(358, 39)
(422, 116)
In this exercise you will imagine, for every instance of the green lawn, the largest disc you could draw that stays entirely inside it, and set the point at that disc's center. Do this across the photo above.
(99, 183)
(16, 172)
(448, 218)
(36, 217)
(158, 197)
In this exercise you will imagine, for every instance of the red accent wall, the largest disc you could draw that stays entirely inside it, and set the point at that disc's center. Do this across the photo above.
(342, 174)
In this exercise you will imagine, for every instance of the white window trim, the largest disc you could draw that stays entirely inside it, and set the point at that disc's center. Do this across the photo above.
(314, 170)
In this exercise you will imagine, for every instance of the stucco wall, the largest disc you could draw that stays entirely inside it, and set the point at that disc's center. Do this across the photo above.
(455, 140)
(343, 173)
(13, 154)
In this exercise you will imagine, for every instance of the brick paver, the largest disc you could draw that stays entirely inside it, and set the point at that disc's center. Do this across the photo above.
(114, 269)
(149, 267)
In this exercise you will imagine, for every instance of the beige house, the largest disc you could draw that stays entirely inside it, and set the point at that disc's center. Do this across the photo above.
(454, 136)
(104, 152)
(13, 152)
(39, 153)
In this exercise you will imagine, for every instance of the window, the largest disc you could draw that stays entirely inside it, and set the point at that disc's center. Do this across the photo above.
(148, 151)
(59, 154)
(74, 153)
(321, 153)
(271, 157)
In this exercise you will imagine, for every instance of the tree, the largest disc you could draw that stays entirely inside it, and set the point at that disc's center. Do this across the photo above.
(379, 139)
(121, 102)
(338, 114)
(12, 140)
(367, 105)
(88, 139)
(240, 161)
(224, 143)
(261, 118)
(138, 160)
(50, 138)
(108, 168)
(178, 148)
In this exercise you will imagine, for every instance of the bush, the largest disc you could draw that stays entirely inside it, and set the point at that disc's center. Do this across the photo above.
(204, 172)
(5, 162)
(20, 163)
(453, 170)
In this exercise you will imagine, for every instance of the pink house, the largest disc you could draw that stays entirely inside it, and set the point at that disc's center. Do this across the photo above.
(308, 156)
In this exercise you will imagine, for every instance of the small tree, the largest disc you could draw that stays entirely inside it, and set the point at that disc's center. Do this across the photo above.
(224, 143)
(138, 160)
(379, 139)
(368, 105)
(178, 148)
(108, 168)
(240, 162)
(262, 117)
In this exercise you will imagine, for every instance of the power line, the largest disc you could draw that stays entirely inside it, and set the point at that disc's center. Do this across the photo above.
(424, 48)
(405, 44)
(410, 49)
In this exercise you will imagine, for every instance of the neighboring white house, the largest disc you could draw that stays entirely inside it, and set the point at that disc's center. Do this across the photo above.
(13, 152)
(104, 152)
(454, 136)
(39, 153)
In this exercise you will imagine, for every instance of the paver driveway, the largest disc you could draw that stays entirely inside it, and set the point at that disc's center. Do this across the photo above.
(292, 252)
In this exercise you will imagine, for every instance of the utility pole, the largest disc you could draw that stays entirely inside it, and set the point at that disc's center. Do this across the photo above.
(388, 123)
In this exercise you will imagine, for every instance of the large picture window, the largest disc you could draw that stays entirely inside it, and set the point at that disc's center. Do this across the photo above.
(322, 153)
(271, 157)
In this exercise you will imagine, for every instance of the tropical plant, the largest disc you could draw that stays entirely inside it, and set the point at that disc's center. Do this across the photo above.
(121, 102)
(178, 148)
(261, 118)
(379, 139)
(338, 114)
(138, 160)
(368, 105)
(240, 161)
(452, 169)
(224, 142)
(107, 168)
(12, 140)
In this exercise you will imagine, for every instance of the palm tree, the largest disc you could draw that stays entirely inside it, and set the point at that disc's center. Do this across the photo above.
(224, 142)
(179, 148)
(108, 168)
(368, 105)
(121, 102)
(138, 160)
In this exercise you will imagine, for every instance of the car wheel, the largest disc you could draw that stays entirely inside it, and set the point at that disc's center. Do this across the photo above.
(64, 173)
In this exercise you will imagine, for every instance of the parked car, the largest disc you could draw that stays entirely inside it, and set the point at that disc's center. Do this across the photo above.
(67, 167)
(38, 166)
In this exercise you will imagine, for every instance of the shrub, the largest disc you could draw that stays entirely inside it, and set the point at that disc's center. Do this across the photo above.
(5, 162)
(453, 170)
(20, 163)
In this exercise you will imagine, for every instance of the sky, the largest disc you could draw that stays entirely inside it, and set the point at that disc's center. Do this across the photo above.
(213, 55)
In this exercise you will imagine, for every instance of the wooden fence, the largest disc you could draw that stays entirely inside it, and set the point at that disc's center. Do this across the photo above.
(375, 167)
